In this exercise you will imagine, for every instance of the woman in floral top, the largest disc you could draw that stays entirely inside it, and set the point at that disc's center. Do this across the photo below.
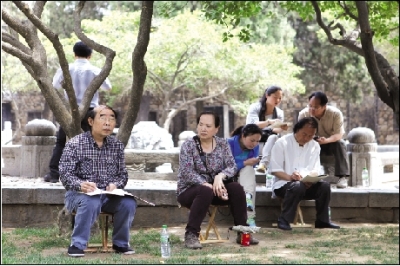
(205, 162)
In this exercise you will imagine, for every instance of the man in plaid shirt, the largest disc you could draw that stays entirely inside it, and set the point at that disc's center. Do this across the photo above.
(90, 161)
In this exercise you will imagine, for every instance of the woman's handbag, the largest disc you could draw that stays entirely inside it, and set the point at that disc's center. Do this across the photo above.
(266, 133)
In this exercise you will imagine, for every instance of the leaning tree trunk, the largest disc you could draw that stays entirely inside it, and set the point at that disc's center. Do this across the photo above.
(139, 70)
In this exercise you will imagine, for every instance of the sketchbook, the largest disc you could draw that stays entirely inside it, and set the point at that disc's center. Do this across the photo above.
(278, 124)
(117, 192)
(313, 179)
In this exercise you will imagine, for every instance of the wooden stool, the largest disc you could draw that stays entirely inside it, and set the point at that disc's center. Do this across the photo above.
(212, 211)
(103, 224)
(298, 218)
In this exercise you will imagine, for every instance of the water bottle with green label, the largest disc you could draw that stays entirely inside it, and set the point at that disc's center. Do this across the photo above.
(365, 177)
(268, 177)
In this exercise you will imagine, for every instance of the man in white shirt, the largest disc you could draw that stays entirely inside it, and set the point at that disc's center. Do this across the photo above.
(330, 133)
(292, 157)
(82, 73)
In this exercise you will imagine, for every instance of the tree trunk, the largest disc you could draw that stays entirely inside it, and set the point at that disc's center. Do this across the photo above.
(385, 80)
(139, 70)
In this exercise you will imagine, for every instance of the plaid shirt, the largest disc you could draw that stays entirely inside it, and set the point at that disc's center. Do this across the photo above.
(83, 161)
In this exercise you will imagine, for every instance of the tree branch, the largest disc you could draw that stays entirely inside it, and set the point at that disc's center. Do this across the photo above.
(345, 42)
(34, 19)
(181, 60)
(8, 38)
(347, 10)
(26, 58)
(38, 8)
(139, 70)
(14, 24)
(158, 79)
(106, 69)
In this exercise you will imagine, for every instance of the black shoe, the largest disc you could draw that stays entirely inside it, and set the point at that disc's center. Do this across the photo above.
(75, 252)
(320, 224)
(51, 179)
(126, 251)
(283, 224)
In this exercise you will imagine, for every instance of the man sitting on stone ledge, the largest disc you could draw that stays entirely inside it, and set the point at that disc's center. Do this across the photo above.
(330, 133)
(292, 158)
(95, 160)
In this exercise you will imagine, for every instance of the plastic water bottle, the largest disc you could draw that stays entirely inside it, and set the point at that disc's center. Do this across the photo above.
(329, 212)
(164, 240)
(268, 177)
(365, 177)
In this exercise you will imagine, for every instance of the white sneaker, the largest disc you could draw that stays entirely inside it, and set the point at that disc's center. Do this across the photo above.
(261, 168)
(342, 183)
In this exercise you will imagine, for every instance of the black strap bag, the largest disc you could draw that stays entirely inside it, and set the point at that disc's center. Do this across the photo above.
(266, 133)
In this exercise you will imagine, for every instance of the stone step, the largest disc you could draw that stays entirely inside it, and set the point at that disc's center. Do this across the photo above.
(38, 203)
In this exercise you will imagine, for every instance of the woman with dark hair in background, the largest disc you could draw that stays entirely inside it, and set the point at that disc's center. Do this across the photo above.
(265, 113)
(244, 142)
(206, 171)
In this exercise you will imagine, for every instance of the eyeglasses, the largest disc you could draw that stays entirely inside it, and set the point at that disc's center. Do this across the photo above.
(104, 119)
(314, 108)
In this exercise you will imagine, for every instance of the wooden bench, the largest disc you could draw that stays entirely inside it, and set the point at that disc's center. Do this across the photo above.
(103, 224)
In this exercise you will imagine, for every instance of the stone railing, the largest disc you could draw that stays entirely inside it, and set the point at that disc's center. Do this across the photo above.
(32, 157)
(141, 163)
(363, 152)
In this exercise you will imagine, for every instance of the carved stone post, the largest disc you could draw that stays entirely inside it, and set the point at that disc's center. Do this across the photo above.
(37, 147)
(363, 152)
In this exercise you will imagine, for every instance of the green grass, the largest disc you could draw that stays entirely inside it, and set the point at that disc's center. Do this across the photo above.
(366, 245)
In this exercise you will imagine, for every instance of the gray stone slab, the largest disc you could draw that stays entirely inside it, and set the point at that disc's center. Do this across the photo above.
(349, 197)
(384, 199)
(11, 155)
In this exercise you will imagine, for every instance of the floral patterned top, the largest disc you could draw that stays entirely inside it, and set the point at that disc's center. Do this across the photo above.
(192, 170)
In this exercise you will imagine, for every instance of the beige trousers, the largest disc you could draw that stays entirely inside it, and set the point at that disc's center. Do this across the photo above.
(266, 150)
(247, 178)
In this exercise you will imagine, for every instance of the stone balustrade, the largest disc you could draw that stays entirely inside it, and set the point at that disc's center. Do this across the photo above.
(32, 157)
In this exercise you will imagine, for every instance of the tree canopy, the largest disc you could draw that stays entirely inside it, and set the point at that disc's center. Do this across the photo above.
(369, 19)
(188, 61)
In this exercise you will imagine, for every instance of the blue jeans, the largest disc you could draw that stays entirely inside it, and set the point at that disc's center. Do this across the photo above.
(87, 210)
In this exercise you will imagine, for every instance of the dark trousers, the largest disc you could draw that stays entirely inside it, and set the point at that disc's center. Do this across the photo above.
(198, 198)
(295, 191)
(61, 139)
(339, 151)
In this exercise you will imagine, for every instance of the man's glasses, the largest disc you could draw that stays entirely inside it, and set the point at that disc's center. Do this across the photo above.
(314, 108)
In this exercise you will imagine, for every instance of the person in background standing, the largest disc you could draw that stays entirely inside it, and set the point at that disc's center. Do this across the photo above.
(82, 73)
